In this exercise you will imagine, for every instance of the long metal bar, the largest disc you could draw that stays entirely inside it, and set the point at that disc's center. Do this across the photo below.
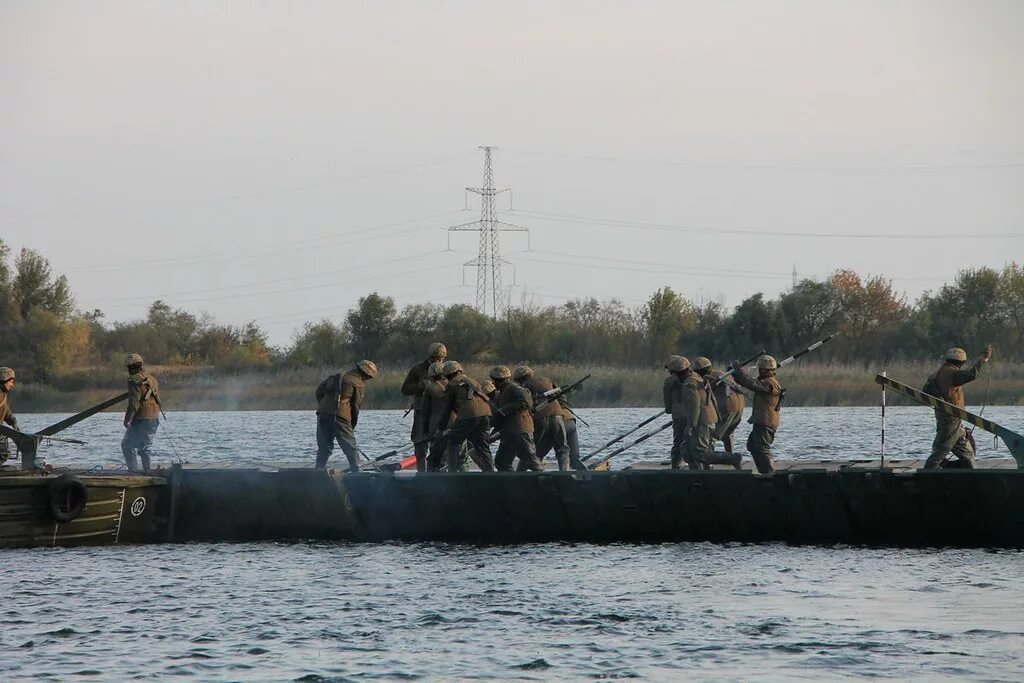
(631, 444)
(1013, 440)
(78, 417)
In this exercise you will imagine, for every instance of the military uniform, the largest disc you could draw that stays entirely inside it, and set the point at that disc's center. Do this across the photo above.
(572, 436)
(950, 436)
(549, 423)
(730, 403)
(7, 417)
(764, 415)
(414, 386)
(701, 416)
(339, 400)
(515, 424)
(464, 399)
(142, 417)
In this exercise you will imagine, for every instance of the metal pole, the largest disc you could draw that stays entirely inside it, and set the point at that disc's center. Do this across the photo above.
(883, 425)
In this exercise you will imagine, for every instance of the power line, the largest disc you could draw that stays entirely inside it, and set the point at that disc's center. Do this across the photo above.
(273, 248)
(664, 227)
(775, 167)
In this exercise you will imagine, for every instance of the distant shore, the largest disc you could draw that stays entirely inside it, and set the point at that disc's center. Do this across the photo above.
(204, 388)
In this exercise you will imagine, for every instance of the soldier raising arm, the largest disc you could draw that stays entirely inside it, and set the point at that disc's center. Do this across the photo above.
(947, 383)
(764, 416)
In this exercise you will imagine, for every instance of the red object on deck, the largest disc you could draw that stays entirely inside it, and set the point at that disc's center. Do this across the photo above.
(409, 462)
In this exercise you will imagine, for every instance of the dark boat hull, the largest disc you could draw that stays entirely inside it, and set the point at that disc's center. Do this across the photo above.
(118, 509)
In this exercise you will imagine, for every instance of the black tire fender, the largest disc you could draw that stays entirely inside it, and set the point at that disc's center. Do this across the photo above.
(67, 498)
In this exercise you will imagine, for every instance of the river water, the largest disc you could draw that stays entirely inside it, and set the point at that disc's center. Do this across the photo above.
(343, 611)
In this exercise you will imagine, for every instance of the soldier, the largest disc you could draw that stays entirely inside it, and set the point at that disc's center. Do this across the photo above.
(514, 422)
(768, 395)
(703, 416)
(678, 369)
(730, 403)
(434, 401)
(572, 437)
(142, 417)
(467, 401)
(339, 399)
(6, 416)
(947, 383)
(549, 424)
(414, 385)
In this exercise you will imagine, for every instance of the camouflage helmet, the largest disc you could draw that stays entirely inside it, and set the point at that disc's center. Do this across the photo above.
(132, 359)
(669, 361)
(702, 363)
(437, 351)
(499, 372)
(6, 374)
(435, 370)
(523, 372)
(487, 386)
(368, 368)
(451, 367)
(766, 363)
(956, 354)
(678, 364)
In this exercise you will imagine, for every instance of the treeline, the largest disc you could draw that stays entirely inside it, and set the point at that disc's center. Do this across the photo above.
(43, 334)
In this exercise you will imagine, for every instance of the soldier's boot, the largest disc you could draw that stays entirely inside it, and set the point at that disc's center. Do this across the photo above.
(321, 460)
(764, 462)
(716, 458)
(131, 461)
(144, 457)
(677, 461)
(353, 461)
(727, 443)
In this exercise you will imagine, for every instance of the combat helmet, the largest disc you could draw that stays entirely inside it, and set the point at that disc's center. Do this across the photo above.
(522, 372)
(133, 359)
(437, 351)
(678, 364)
(368, 368)
(451, 367)
(674, 355)
(499, 372)
(766, 362)
(6, 374)
(956, 354)
(702, 364)
(435, 370)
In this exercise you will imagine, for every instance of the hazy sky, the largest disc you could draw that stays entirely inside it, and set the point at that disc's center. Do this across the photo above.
(277, 160)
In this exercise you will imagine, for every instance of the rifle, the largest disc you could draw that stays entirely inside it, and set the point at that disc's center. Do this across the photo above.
(557, 393)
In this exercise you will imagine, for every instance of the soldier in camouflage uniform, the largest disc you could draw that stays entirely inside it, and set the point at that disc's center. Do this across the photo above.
(702, 414)
(465, 399)
(768, 395)
(947, 383)
(672, 391)
(142, 417)
(339, 399)
(549, 430)
(414, 386)
(730, 403)
(514, 421)
(434, 401)
(6, 416)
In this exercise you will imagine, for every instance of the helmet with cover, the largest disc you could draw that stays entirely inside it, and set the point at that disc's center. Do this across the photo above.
(368, 368)
(437, 351)
(956, 354)
(499, 372)
(132, 359)
(6, 374)
(766, 363)
(702, 365)
(678, 364)
(435, 370)
(523, 372)
(451, 367)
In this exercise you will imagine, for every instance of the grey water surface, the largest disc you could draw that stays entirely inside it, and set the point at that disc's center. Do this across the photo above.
(343, 611)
